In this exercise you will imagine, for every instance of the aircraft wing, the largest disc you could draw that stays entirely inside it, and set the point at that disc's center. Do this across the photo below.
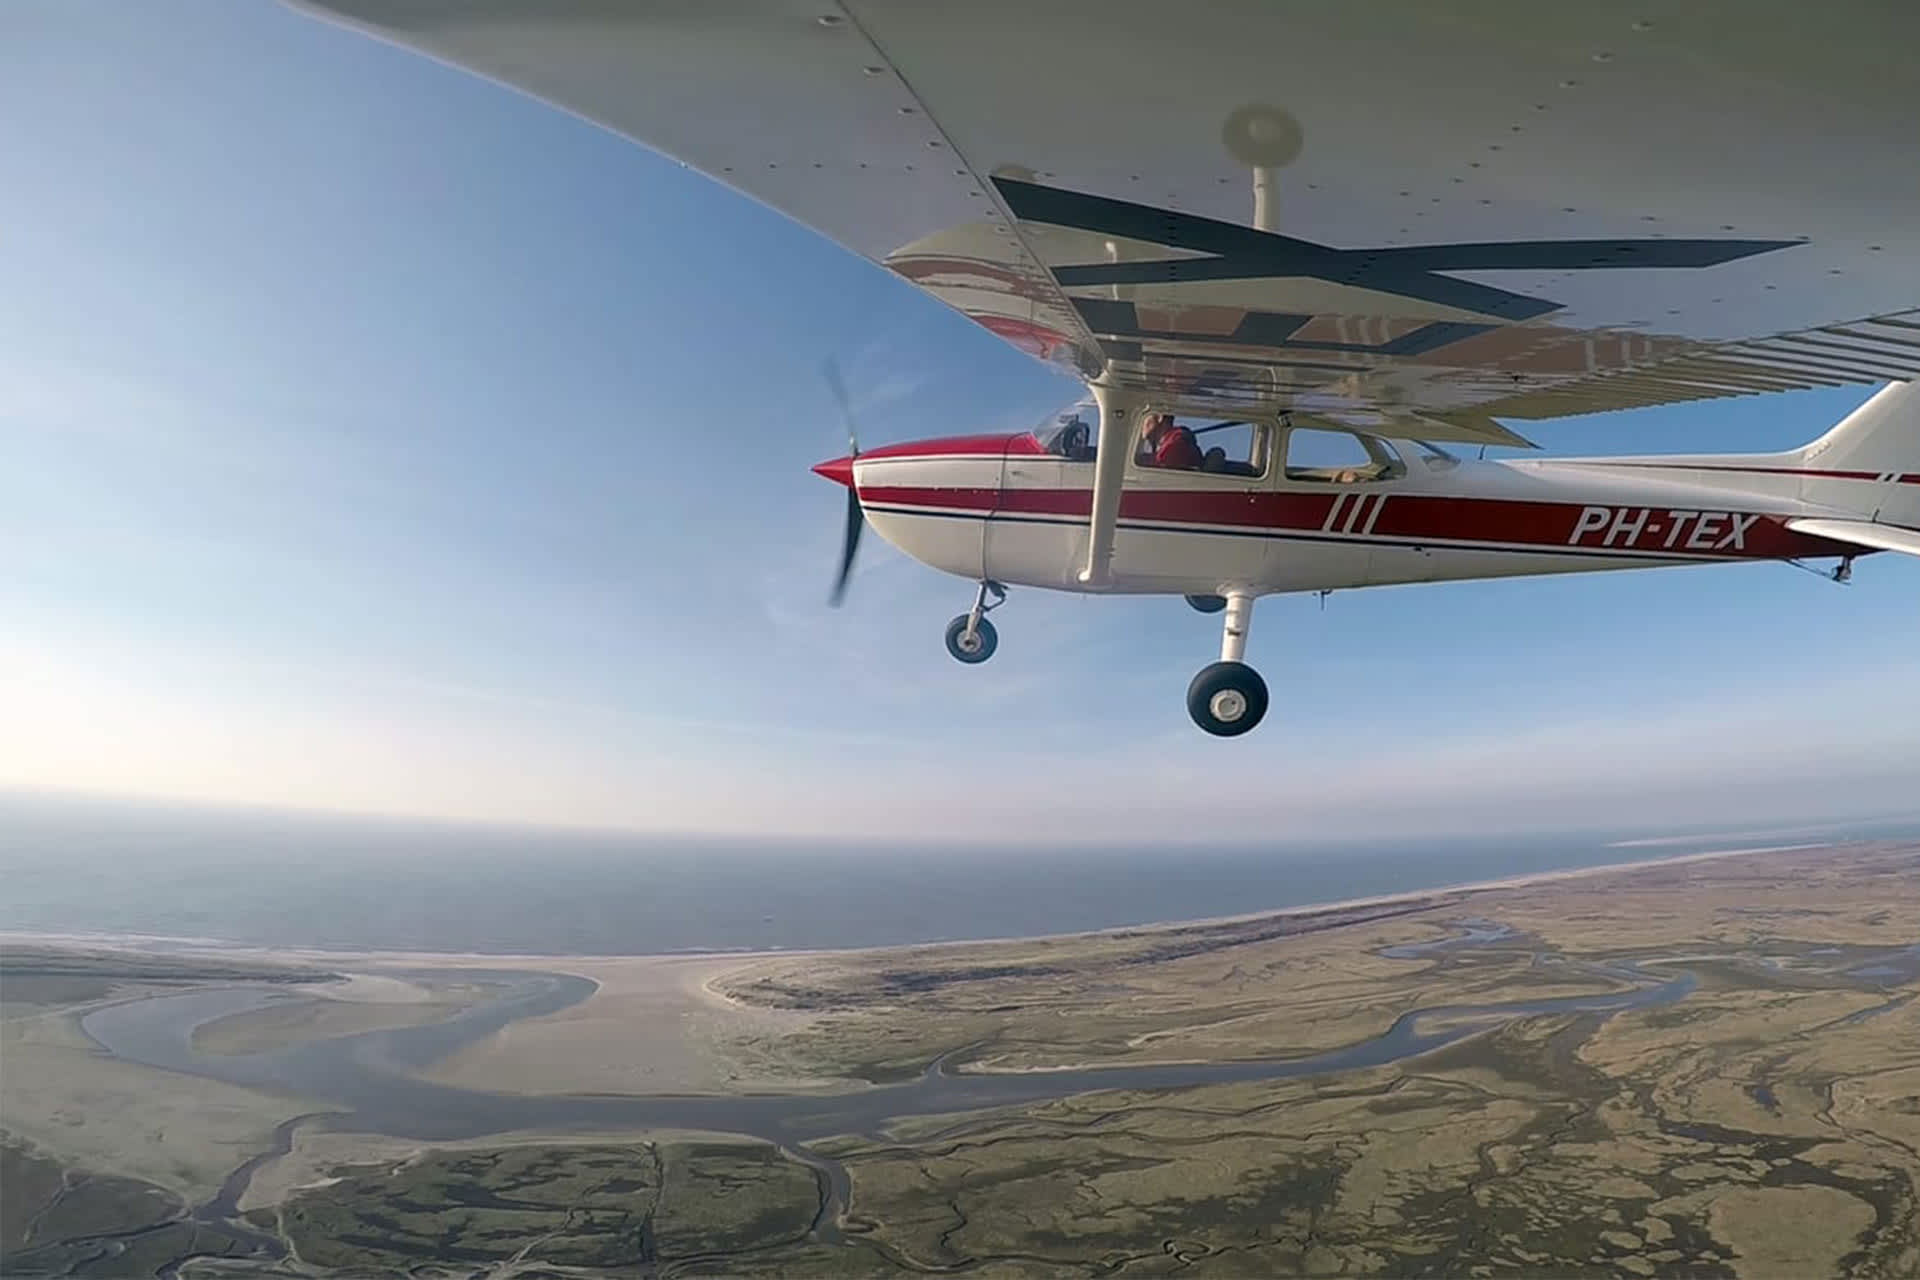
(1861, 533)
(1478, 208)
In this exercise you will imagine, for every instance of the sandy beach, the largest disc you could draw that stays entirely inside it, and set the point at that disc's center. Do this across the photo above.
(663, 1023)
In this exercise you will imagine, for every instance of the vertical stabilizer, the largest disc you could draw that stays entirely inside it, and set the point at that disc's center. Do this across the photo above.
(1870, 461)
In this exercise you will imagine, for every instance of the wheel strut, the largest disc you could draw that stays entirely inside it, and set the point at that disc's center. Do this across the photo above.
(1233, 634)
(1228, 697)
(980, 606)
(970, 637)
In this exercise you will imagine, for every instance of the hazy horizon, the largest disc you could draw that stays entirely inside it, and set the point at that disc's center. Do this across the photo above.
(182, 875)
(1623, 835)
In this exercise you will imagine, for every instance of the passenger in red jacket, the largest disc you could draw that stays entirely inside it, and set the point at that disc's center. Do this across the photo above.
(1172, 447)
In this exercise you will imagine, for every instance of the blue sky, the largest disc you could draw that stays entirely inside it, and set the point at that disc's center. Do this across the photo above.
(378, 439)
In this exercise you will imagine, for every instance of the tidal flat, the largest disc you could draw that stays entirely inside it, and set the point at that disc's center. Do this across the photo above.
(1706, 1067)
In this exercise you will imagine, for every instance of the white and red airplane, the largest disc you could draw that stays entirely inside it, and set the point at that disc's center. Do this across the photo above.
(1279, 507)
(1494, 211)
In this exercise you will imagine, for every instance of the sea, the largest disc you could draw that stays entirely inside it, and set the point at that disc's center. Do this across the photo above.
(262, 878)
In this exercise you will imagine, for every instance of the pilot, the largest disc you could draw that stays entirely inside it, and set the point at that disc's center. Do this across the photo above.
(1172, 447)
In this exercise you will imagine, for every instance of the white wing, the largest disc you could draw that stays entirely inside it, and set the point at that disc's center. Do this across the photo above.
(1497, 207)
(1861, 533)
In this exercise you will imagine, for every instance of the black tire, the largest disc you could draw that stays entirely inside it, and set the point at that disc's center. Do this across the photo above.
(1216, 713)
(1207, 604)
(985, 641)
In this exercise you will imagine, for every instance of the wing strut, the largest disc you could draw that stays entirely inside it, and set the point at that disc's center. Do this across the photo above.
(1119, 431)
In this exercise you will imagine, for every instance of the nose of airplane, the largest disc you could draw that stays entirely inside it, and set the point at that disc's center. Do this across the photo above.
(840, 471)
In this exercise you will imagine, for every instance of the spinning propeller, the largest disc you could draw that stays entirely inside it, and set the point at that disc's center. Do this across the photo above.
(856, 518)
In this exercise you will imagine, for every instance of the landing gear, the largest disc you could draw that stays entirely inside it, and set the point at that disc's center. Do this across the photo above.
(1228, 697)
(971, 646)
(970, 637)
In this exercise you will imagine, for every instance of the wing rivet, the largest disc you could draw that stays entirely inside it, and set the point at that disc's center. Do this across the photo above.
(831, 19)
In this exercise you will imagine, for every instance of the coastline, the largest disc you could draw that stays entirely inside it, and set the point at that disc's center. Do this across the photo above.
(1163, 1060)
(507, 960)
(665, 1023)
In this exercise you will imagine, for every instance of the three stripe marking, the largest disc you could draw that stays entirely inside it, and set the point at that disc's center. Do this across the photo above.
(1359, 516)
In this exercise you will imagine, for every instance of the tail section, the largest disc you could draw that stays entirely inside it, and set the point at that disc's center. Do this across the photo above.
(1870, 461)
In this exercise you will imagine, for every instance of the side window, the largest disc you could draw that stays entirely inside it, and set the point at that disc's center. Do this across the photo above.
(1214, 445)
(1339, 457)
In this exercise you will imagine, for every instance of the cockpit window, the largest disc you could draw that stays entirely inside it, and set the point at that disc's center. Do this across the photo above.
(1072, 433)
(1219, 446)
(1340, 457)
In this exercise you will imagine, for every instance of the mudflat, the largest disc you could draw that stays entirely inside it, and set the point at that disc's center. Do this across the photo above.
(1760, 1117)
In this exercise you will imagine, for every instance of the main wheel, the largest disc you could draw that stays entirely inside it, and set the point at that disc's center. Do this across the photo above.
(970, 649)
(1208, 604)
(1227, 699)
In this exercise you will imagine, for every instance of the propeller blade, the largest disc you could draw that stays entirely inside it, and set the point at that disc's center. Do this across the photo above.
(830, 369)
(856, 521)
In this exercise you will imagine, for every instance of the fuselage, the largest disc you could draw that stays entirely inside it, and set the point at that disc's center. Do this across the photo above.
(1006, 508)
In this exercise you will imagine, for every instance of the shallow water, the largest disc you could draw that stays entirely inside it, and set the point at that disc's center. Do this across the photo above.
(362, 1073)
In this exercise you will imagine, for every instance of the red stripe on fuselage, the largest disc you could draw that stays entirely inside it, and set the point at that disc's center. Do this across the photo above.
(1407, 518)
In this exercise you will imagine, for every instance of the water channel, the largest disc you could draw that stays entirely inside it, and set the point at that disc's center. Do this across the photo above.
(364, 1075)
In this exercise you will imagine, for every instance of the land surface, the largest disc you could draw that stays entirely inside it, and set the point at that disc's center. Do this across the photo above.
(1761, 1119)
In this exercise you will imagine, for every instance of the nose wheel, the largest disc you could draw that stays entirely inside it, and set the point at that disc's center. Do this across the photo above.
(1228, 697)
(970, 637)
(972, 646)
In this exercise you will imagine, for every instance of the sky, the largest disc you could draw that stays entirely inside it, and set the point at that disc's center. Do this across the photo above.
(376, 439)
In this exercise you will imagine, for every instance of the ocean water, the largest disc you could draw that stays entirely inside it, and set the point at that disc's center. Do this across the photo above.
(297, 880)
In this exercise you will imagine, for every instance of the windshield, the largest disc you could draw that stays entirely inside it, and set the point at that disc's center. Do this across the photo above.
(1071, 432)
(1083, 413)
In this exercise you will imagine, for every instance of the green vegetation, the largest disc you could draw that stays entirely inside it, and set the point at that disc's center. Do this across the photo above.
(58, 1221)
(600, 1206)
(1766, 1125)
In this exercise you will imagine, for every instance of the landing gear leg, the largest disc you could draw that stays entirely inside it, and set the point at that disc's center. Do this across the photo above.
(1228, 697)
(970, 637)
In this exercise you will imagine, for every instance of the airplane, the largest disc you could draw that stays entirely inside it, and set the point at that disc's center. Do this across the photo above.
(1281, 507)
(1463, 214)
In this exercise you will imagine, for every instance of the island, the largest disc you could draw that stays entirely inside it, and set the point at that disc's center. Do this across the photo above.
(1707, 1066)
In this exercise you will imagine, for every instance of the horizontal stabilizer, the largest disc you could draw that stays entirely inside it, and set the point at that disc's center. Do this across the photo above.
(1861, 533)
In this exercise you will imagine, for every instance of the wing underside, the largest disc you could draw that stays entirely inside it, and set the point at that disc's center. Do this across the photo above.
(1475, 209)
(1861, 533)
